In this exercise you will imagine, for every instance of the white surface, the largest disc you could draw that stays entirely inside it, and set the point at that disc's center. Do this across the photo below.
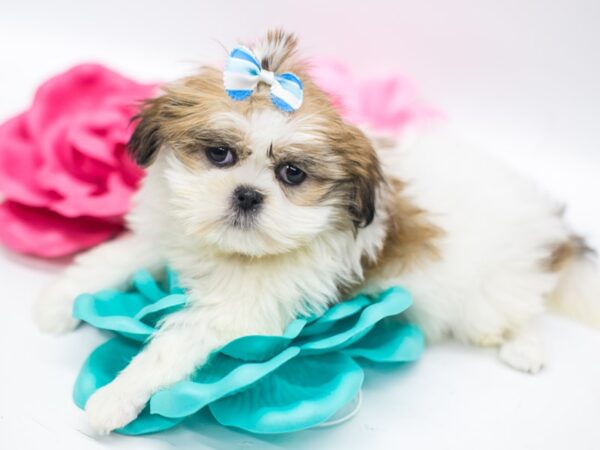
(520, 77)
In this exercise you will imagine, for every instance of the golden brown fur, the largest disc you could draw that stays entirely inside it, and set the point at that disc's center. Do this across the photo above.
(566, 252)
(410, 236)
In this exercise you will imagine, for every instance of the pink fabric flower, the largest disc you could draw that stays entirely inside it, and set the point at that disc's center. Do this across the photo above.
(385, 104)
(64, 171)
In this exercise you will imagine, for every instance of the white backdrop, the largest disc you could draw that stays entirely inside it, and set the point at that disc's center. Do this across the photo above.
(512, 66)
(520, 77)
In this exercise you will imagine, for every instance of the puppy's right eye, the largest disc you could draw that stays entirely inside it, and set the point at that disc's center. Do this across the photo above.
(221, 156)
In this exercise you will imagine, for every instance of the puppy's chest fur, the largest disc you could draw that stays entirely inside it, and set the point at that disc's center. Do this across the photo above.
(281, 287)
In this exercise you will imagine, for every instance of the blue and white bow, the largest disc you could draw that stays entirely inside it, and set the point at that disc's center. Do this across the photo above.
(243, 72)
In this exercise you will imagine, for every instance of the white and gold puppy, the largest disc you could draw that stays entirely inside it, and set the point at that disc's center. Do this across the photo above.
(267, 214)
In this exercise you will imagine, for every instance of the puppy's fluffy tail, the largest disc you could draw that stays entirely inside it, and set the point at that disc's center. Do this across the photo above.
(577, 294)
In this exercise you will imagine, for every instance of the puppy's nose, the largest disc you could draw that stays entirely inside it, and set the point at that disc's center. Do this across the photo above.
(247, 199)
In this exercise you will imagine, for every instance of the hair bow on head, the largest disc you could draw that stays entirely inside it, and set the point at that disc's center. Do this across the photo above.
(243, 72)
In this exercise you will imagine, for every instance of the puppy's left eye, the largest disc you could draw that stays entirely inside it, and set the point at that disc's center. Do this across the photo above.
(221, 156)
(290, 174)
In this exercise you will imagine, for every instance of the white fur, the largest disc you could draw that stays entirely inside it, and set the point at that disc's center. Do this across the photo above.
(484, 289)
(498, 229)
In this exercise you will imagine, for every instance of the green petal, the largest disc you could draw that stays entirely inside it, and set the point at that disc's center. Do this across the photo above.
(172, 281)
(350, 329)
(222, 376)
(388, 342)
(147, 423)
(334, 314)
(102, 366)
(145, 284)
(152, 313)
(260, 348)
(114, 312)
(132, 314)
(300, 394)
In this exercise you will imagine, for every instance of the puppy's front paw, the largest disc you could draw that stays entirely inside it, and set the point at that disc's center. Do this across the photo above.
(112, 407)
(523, 353)
(53, 308)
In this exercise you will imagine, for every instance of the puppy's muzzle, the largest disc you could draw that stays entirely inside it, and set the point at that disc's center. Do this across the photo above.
(247, 200)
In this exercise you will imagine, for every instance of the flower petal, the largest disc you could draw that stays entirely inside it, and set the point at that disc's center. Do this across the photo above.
(336, 80)
(133, 313)
(261, 348)
(145, 284)
(40, 232)
(85, 87)
(94, 143)
(337, 312)
(147, 423)
(220, 377)
(389, 342)
(82, 199)
(114, 313)
(385, 104)
(102, 366)
(350, 329)
(19, 163)
(300, 394)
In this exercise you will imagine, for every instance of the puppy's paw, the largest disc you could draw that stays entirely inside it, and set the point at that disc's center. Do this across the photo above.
(524, 353)
(112, 407)
(53, 309)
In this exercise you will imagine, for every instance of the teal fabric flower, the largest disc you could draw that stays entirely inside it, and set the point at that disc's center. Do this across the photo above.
(262, 384)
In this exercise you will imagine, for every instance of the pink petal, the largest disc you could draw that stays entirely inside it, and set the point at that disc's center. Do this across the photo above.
(385, 104)
(19, 163)
(82, 88)
(40, 232)
(54, 173)
(67, 171)
(332, 76)
(131, 172)
(91, 144)
(112, 202)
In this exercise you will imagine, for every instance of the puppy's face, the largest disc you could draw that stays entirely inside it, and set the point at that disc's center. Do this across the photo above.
(250, 179)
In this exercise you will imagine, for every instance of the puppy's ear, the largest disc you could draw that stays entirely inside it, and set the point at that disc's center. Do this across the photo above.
(365, 170)
(146, 139)
(362, 208)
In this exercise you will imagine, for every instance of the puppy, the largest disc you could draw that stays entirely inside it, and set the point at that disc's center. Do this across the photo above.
(267, 214)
